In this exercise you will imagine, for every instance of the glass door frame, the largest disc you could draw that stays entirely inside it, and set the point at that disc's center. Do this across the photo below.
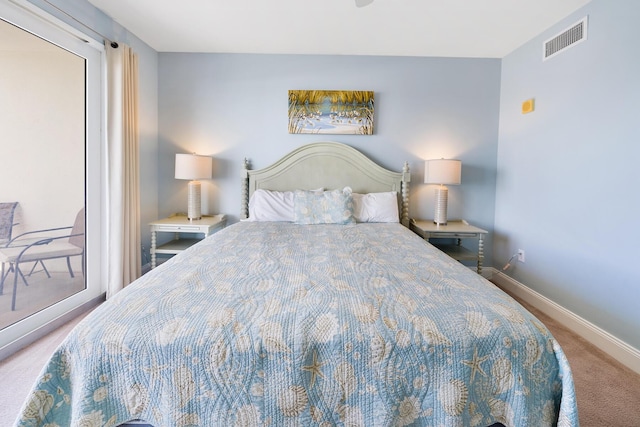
(32, 19)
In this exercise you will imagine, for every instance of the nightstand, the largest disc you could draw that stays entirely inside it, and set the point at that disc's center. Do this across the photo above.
(457, 230)
(179, 224)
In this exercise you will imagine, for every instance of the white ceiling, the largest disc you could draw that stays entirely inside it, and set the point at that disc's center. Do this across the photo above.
(451, 28)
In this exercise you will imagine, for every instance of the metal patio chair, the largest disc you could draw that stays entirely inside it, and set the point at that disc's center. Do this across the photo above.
(37, 250)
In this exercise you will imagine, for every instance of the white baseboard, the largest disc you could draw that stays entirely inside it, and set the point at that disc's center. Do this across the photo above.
(614, 347)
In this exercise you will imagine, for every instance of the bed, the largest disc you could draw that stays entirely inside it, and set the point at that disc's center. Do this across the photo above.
(315, 321)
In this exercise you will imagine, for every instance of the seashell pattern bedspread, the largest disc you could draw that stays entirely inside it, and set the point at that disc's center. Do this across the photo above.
(278, 324)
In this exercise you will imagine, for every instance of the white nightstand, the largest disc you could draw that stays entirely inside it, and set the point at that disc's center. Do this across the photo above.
(458, 230)
(179, 224)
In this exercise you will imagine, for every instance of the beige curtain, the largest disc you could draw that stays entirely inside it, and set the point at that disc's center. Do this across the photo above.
(123, 168)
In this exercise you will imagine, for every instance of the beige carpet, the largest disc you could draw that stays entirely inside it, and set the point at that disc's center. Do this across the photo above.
(608, 393)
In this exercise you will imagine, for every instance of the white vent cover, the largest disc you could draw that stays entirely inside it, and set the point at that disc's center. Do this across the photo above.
(564, 40)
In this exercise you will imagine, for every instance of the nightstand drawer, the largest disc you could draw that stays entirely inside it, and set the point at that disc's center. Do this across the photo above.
(185, 228)
(441, 235)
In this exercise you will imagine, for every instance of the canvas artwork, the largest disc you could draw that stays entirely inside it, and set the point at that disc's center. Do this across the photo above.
(331, 112)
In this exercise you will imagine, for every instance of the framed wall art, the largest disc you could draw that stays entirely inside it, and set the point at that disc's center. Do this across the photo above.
(344, 112)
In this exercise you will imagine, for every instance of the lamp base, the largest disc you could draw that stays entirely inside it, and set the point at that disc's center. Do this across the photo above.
(442, 197)
(194, 201)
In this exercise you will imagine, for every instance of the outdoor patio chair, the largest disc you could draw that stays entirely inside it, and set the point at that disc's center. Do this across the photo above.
(15, 253)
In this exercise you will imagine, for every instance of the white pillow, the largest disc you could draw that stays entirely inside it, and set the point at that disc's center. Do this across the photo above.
(266, 205)
(269, 205)
(376, 207)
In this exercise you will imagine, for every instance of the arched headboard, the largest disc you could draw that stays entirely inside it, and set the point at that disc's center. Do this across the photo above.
(329, 165)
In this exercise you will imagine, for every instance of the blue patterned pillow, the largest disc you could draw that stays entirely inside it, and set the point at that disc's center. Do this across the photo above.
(327, 207)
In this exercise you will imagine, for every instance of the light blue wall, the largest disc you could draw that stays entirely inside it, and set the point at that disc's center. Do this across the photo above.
(568, 173)
(233, 106)
(148, 85)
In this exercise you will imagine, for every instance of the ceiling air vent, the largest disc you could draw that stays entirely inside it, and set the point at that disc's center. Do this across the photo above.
(566, 39)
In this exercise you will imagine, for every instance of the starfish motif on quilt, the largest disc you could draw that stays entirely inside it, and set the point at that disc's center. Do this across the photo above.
(314, 369)
(475, 363)
(154, 370)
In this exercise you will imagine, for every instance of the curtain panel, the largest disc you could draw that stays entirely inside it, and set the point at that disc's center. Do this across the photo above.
(123, 174)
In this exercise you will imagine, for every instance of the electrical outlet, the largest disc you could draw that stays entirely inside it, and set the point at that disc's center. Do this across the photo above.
(521, 255)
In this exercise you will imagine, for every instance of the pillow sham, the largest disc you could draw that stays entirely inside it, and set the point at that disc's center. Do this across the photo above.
(376, 207)
(327, 207)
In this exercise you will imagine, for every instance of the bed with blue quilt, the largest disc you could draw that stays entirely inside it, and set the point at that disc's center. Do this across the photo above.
(334, 318)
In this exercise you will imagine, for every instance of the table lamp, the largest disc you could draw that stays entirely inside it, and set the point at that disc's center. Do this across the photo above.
(442, 172)
(193, 167)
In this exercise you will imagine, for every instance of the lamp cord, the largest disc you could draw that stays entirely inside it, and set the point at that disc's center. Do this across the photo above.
(508, 264)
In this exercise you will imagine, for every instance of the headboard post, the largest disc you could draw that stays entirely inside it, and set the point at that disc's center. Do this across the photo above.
(244, 208)
(406, 179)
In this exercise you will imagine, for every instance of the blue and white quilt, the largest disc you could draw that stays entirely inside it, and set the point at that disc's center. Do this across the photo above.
(278, 324)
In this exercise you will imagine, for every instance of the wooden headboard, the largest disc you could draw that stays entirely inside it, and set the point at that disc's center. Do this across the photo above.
(328, 165)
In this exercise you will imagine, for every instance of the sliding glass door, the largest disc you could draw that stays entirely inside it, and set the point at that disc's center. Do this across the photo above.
(50, 170)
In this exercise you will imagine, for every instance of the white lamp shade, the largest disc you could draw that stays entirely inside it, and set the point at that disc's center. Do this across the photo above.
(193, 166)
(442, 171)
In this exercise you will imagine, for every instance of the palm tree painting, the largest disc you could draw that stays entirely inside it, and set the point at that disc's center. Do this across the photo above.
(331, 112)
